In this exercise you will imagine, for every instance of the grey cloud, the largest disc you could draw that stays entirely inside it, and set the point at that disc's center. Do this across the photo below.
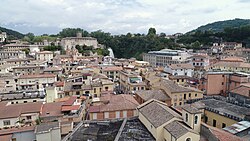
(115, 16)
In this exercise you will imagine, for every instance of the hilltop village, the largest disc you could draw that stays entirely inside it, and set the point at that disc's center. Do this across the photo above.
(170, 95)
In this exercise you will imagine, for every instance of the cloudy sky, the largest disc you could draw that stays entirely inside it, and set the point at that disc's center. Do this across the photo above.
(117, 16)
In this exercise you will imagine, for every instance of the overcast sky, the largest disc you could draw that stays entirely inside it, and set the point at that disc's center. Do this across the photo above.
(118, 16)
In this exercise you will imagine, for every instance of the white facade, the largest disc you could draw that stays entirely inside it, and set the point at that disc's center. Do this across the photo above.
(44, 56)
(12, 54)
(179, 71)
(52, 94)
(34, 49)
(199, 61)
(165, 57)
(8, 122)
(51, 135)
(3, 36)
(35, 83)
(70, 43)
(24, 136)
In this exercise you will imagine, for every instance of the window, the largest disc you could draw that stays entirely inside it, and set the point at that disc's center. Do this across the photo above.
(6, 122)
(186, 117)
(182, 80)
(180, 103)
(124, 114)
(106, 114)
(184, 96)
(222, 83)
(28, 117)
(106, 88)
(189, 95)
(117, 114)
(206, 119)
(94, 115)
(195, 119)
(195, 95)
(177, 80)
(13, 139)
(214, 123)
(223, 125)
(94, 90)
(34, 101)
(142, 88)
(188, 139)
(24, 101)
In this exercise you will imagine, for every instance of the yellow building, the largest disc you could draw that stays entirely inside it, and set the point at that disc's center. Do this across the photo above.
(179, 94)
(131, 82)
(221, 114)
(166, 125)
(93, 87)
(231, 66)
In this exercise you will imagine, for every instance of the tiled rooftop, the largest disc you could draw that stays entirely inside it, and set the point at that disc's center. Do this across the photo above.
(157, 113)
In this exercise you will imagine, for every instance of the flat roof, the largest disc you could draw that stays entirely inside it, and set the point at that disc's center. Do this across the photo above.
(224, 108)
(237, 127)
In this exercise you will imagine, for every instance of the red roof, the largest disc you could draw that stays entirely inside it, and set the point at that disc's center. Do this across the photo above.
(5, 137)
(38, 76)
(115, 103)
(69, 108)
(94, 109)
(70, 101)
(51, 109)
(222, 135)
(59, 83)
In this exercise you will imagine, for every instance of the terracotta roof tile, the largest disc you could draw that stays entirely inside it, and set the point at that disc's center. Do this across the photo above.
(69, 108)
(51, 109)
(116, 103)
(17, 109)
(38, 76)
(157, 113)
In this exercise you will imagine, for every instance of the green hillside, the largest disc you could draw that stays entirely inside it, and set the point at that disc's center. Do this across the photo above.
(11, 33)
(221, 25)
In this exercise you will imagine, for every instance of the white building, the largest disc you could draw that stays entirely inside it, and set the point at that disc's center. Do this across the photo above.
(34, 49)
(44, 56)
(199, 61)
(3, 37)
(165, 57)
(35, 82)
(69, 43)
(48, 132)
(180, 69)
(12, 54)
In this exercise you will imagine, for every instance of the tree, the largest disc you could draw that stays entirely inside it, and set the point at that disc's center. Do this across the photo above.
(162, 35)
(26, 50)
(151, 31)
(31, 36)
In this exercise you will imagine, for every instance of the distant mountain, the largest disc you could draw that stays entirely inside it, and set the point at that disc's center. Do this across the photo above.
(220, 25)
(11, 33)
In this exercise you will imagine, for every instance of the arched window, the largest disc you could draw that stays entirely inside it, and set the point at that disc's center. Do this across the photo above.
(188, 139)
(195, 119)
(186, 117)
